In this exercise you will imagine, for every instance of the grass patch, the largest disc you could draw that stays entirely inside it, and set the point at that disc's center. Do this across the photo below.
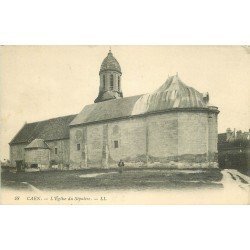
(137, 179)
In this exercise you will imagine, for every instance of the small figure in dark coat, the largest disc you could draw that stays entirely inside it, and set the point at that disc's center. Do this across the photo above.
(120, 166)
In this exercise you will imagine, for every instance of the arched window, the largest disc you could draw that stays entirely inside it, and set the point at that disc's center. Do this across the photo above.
(119, 87)
(111, 82)
(103, 81)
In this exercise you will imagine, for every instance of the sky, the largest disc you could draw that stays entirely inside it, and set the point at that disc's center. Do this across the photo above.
(42, 82)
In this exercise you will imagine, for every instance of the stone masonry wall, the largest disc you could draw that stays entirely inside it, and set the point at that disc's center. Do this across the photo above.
(76, 137)
(192, 136)
(162, 136)
(17, 153)
(141, 141)
(131, 137)
(94, 145)
(37, 156)
(212, 137)
(97, 143)
(62, 155)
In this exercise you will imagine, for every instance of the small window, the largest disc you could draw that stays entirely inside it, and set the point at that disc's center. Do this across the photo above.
(104, 81)
(119, 87)
(111, 82)
(55, 151)
(116, 145)
(78, 146)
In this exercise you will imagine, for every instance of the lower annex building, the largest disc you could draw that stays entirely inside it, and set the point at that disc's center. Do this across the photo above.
(175, 126)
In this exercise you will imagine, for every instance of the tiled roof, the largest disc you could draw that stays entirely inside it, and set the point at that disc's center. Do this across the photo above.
(112, 109)
(52, 129)
(37, 143)
(107, 95)
(173, 94)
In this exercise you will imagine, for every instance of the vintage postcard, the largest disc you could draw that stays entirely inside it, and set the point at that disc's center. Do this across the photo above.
(125, 124)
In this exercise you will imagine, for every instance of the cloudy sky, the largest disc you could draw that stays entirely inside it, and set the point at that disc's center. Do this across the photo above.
(41, 82)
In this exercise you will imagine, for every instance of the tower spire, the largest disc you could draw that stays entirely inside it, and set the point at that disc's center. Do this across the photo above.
(110, 79)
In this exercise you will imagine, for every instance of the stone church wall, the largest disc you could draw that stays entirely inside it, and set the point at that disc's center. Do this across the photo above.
(193, 136)
(131, 137)
(37, 156)
(162, 136)
(172, 139)
(62, 156)
(94, 145)
(104, 144)
(78, 158)
(17, 153)
(212, 137)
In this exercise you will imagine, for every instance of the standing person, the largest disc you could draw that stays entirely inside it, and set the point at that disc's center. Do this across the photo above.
(120, 165)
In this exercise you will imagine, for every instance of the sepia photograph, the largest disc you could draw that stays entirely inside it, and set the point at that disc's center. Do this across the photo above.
(125, 124)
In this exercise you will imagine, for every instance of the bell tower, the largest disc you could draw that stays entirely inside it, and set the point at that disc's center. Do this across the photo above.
(110, 79)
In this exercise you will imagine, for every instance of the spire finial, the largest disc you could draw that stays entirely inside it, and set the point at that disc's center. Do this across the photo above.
(176, 73)
(110, 49)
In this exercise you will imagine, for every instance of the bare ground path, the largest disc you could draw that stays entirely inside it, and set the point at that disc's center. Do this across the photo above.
(233, 179)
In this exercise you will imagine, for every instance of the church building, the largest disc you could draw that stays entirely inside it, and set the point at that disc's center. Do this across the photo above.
(175, 126)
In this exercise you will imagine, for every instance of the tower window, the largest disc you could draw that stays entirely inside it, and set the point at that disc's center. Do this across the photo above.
(119, 87)
(55, 151)
(104, 81)
(111, 82)
(116, 145)
(78, 146)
